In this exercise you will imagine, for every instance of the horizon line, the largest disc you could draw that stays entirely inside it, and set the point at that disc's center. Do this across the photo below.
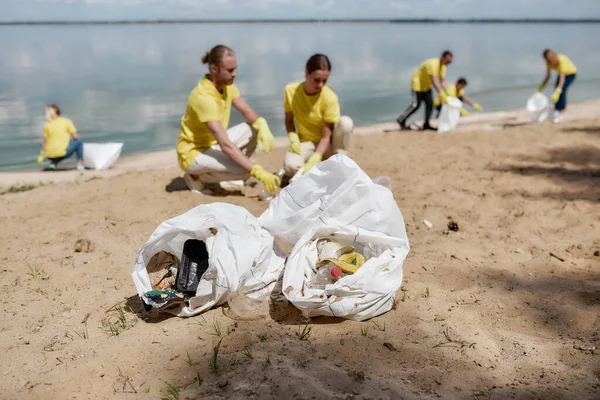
(304, 20)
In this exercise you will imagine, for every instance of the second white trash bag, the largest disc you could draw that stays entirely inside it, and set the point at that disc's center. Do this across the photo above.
(101, 155)
(337, 198)
(539, 106)
(450, 115)
(243, 258)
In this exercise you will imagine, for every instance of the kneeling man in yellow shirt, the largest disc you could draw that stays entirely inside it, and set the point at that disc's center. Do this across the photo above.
(207, 151)
(457, 90)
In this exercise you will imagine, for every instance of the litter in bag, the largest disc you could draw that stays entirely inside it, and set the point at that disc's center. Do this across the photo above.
(338, 202)
(101, 155)
(243, 262)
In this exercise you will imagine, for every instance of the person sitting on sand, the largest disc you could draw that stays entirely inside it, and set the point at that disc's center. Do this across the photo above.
(424, 77)
(457, 90)
(312, 118)
(207, 151)
(566, 75)
(61, 140)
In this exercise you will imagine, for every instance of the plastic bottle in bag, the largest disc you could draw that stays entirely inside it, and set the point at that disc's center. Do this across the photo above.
(326, 275)
(268, 196)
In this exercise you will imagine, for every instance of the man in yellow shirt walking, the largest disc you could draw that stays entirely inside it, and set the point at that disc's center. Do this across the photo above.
(566, 75)
(207, 151)
(430, 71)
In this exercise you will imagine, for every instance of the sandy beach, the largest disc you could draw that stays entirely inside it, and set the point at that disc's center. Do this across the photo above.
(507, 306)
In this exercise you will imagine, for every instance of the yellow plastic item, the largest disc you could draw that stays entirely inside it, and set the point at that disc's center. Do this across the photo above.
(444, 96)
(464, 112)
(476, 107)
(541, 88)
(349, 262)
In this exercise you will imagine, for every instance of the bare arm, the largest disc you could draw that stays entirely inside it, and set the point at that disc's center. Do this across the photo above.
(229, 148)
(75, 135)
(44, 143)
(547, 78)
(467, 100)
(247, 112)
(289, 122)
(435, 84)
(325, 142)
(561, 81)
(443, 83)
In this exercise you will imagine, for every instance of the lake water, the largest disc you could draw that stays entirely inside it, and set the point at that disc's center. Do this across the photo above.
(130, 83)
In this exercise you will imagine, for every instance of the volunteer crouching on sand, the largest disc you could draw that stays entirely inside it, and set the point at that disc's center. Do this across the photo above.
(207, 151)
(566, 75)
(457, 90)
(424, 77)
(312, 119)
(60, 140)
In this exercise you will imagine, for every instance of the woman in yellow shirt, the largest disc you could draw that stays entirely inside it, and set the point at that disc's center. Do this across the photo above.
(312, 118)
(566, 75)
(61, 140)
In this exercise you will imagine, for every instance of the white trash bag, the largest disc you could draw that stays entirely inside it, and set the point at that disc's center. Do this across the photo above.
(449, 115)
(101, 155)
(337, 198)
(243, 260)
(539, 106)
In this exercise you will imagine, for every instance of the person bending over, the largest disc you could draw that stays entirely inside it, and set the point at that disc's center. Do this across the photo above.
(566, 75)
(207, 151)
(457, 90)
(431, 72)
(61, 140)
(312, 118)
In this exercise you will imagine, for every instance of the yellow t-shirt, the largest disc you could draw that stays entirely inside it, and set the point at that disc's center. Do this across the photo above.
(205, 104)
(421, 79)
(58, 135)
(311, 112)
(565, 66)
(452, 92)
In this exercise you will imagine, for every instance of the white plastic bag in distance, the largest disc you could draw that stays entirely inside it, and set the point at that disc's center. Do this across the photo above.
(449, 115)
(539, 106)
(334, 191)
(244, 261)
(337, 198)
(101, 155)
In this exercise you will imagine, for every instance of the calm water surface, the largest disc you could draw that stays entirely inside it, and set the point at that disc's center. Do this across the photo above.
(130, 83)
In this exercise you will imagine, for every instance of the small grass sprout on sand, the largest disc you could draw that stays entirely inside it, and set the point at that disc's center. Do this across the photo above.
(172, 391)
(364, 331)
(427, 291)
(36, 271)
(119, 321)
(216, 328)
(215, 363)
(268, 359)
(248, 352)
(303, 332)
(262, 338)
(189, 359)
(379, 326)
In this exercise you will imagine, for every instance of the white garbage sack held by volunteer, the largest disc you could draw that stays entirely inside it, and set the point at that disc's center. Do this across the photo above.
(540, 108)
(205, 257)
(349, 241)
(101, 155)
(449, 115)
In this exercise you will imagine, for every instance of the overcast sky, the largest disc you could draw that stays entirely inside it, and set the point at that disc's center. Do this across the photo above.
(152, 9)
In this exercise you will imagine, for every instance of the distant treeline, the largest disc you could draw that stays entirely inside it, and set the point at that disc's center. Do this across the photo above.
(262, 21)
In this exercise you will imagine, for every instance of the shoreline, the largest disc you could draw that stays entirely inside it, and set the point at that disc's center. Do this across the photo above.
(165, 159)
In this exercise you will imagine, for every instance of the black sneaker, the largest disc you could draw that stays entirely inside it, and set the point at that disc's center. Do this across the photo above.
(402, 124)
(428, 127)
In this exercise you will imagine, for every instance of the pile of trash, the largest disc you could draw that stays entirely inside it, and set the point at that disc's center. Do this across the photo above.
(349, 243)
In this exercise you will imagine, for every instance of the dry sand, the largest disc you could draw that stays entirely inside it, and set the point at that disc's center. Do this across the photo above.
(506, 307)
